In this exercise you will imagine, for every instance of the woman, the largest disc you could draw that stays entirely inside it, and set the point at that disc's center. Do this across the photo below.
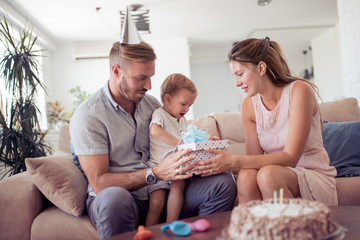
(282, 129)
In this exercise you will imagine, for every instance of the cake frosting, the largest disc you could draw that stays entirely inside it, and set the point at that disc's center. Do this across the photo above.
(293, 219)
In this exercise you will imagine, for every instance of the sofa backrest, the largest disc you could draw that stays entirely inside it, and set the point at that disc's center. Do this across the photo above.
(206, 123)
(346, 110)
(228, 125)
(64, 139)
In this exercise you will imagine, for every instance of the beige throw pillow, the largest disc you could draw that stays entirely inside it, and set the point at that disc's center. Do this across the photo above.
(61, 182)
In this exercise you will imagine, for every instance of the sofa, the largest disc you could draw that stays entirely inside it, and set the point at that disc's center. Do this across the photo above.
(48, 200)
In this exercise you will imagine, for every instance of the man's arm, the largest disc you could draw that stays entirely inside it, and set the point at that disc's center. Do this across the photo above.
(96, 168)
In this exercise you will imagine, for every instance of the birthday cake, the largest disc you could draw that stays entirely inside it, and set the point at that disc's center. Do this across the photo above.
(292, 219)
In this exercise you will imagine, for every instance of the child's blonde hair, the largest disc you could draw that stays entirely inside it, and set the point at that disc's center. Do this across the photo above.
(174, 83)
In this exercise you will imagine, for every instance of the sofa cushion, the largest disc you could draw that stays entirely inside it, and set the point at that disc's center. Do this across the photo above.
(231, 128)
(341, 141)
(60, 181)
(64, 139)
(52, 223)
(348, 190)
(206, 123)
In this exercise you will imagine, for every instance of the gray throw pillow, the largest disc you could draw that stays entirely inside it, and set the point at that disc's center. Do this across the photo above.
(342, 142)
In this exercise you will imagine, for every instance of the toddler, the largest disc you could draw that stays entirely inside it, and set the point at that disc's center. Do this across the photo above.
(178, 93)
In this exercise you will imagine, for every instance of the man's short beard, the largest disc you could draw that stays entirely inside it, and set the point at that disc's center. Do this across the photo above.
(124, 91)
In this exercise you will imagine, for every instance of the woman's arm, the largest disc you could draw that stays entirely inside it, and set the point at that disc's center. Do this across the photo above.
(302, 108)
(251, 137)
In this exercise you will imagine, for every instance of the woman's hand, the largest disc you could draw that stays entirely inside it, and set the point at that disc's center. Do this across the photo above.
(168, 169)
(213, 138)
(222, 162)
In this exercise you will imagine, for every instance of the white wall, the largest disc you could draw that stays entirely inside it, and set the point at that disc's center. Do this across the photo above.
(216, 89)
(172, 57)
(63, 71)
(327, 64)
(208, 69)
(216, 86)
(349, 23)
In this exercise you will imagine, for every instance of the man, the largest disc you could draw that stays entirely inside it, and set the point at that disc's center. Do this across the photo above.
(110, 135)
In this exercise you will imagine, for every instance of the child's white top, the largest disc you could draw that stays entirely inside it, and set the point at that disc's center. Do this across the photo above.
(174, 126)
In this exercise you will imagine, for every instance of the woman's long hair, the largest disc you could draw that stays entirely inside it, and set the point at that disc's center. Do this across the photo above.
(255, 50)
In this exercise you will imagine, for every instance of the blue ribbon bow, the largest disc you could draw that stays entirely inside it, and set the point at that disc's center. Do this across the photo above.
(192, 134)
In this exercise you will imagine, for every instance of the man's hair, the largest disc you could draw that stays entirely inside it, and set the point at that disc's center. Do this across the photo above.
(123, 54)
(174, 82)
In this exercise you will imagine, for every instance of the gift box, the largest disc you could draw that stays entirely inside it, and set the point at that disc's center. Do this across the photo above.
(199, 149)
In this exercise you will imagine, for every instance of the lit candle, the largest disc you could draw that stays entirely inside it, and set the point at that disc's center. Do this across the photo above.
(281, 195)
(275, 197)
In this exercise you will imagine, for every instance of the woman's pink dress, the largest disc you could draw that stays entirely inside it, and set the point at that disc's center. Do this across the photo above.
(315, 175)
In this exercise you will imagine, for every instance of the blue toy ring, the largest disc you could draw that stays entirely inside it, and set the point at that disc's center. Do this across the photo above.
(179, 228)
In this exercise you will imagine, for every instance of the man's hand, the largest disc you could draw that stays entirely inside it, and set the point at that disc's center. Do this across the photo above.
(168, 169)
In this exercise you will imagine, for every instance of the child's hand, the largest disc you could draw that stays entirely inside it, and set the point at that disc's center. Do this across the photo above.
(213, 138)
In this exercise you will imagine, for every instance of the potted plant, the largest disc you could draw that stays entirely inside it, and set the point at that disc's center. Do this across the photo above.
(20, 133)
(54, 109)
(79, 95)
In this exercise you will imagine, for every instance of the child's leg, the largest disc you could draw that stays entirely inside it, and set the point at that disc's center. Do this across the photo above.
(156, 205)
(175, 200)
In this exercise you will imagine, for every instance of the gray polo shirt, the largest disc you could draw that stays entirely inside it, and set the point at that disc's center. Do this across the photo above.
(100, 126)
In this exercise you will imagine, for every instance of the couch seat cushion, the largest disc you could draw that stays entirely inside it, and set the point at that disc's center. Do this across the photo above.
(52, 223)
(348, 190)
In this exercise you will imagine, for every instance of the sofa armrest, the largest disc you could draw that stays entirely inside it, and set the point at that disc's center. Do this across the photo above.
(20, 203)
